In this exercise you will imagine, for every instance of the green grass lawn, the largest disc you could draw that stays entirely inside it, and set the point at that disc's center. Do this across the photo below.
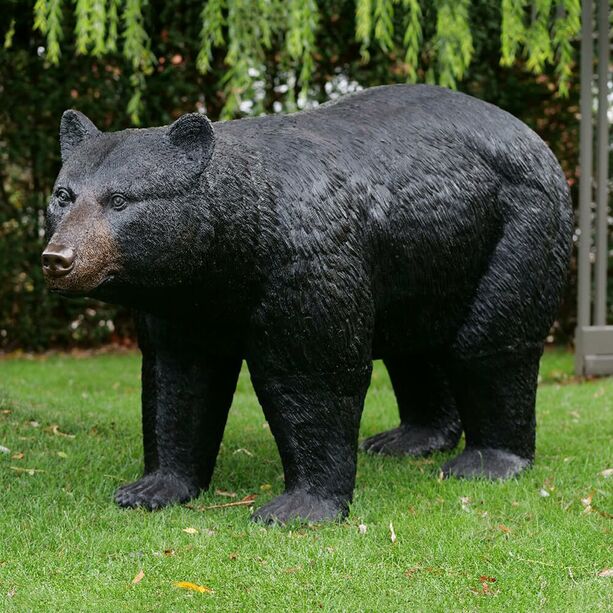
(535, 543)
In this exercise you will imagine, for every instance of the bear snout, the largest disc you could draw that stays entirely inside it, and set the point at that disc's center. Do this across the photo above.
(57, 260)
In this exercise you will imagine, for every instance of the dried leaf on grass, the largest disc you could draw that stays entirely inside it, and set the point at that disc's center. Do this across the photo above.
(191, 530)
(392, 533)
(485, 589)
(224, 493)
(607, 572)
(138, 578)
(55, 430)
(18, 456)
(243, 450)
(599, 393)
(29, 471)
(587, 502)
(465, 503)
(187, 585)
(246, 501)
(606, 473)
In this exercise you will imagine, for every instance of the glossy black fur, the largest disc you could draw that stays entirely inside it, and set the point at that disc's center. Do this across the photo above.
(407, 223)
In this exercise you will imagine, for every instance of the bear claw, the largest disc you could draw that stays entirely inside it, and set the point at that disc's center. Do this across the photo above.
(410, 440)
(300, 506)
(155, 491)
(486, 464)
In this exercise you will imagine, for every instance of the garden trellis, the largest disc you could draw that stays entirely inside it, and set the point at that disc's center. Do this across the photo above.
(594, 338)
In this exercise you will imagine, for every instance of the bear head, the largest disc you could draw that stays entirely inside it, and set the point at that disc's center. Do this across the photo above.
(127, 210)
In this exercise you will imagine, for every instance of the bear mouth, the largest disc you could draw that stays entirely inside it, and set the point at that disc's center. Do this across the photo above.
(95, 292)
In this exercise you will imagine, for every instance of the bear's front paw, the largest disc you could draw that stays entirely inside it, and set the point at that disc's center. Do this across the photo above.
(300, 506)
(156, 490)
(411, 440)
(475, 463)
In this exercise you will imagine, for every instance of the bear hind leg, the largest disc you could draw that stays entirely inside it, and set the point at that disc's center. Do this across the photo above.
(496, 397)
(429, 421)
(495, 357)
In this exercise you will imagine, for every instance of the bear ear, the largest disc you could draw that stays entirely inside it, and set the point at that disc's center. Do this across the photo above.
(74, 129)
(194, 134)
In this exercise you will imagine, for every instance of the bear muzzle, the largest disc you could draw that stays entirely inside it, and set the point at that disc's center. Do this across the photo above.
(57, 260)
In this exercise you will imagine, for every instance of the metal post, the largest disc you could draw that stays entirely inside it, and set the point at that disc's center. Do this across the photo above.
(585, 182)
(602, 165)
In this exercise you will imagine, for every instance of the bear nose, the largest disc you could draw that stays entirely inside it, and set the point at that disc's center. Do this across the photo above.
(58, 260)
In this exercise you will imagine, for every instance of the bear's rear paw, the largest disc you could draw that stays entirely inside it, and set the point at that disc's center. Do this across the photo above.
(156, 490)
(485, 464)
(411, 440)
(301, 506)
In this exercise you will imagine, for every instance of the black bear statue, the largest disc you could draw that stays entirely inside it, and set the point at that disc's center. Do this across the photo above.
(405, 223)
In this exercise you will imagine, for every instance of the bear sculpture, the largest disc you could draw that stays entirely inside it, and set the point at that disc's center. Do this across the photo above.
(406, 223)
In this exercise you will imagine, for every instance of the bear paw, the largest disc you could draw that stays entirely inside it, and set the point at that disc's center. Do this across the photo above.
(411, 440)
(485, 464)
(299, 505)
(156, 490)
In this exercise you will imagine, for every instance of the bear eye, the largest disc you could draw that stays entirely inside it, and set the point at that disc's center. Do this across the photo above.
(63, 196)
(118, 201)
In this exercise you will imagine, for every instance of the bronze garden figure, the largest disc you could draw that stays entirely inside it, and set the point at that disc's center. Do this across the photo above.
(408, 223)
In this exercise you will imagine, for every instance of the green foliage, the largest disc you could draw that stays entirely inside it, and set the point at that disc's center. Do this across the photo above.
(247, 29)
(303, 19)
(538, 40)
(363, 26)
(554, 24)
(384, 24)
(112, 23)
(566, 26)
(513, 29)
(83, 25)
(412, 38)
(233, 58)
(453, 41)
(48, 20)
(138, 52)
(211, 34)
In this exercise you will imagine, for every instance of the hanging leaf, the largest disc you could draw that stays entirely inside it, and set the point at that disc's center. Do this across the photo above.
(363, 26)
(83, 25)
(412, 38)
(513, 32)
(453, 41)
(538, 41)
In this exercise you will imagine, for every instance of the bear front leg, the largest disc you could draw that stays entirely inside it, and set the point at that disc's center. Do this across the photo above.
(148, 412)
(148, 391)
(184, 415)
(315, 418)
